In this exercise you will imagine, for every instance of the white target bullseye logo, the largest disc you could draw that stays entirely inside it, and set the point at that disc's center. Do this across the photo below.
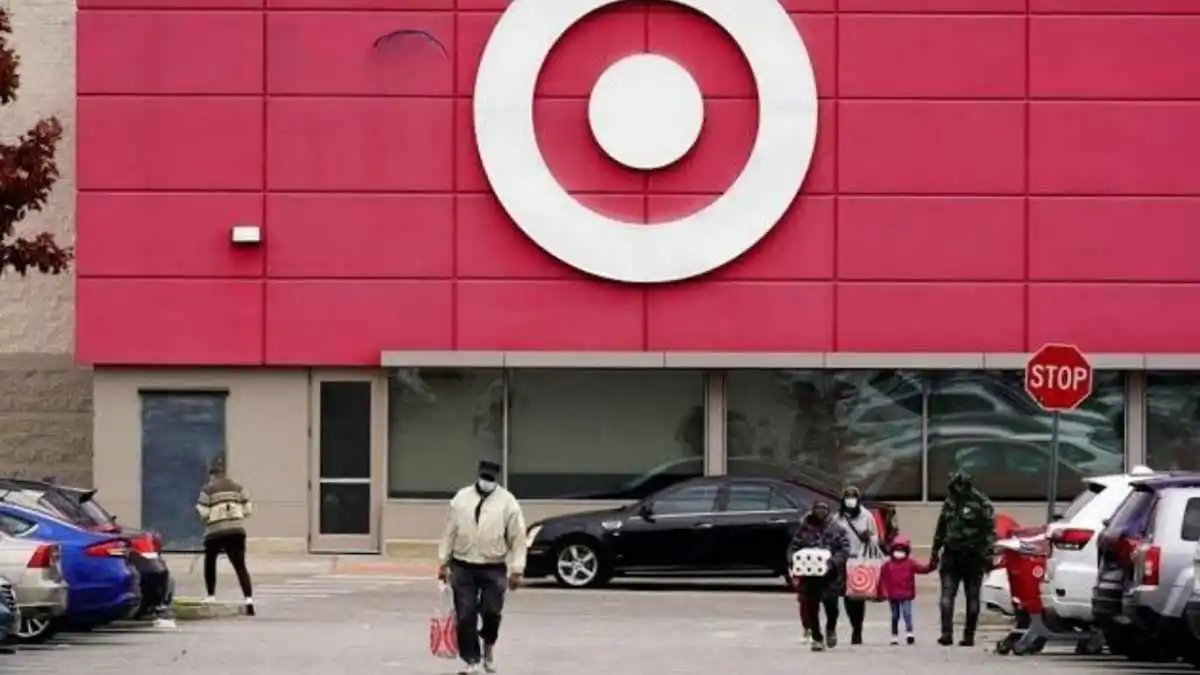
(645, 112)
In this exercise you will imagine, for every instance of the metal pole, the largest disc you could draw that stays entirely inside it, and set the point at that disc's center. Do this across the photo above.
(1052, 488)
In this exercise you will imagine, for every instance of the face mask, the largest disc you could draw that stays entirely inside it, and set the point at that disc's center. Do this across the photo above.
(851, 503)
(899, 555)
(485, 486)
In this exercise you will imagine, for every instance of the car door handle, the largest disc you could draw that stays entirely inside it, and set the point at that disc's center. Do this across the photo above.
(703, 526)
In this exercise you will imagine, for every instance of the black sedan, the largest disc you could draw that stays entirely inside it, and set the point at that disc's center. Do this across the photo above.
(79, 507)
(718, 525)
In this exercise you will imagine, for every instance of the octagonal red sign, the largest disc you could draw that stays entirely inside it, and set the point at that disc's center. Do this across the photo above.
(1058, 377)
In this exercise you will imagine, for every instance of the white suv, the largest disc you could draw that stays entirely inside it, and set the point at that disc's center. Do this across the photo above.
(1071, 568)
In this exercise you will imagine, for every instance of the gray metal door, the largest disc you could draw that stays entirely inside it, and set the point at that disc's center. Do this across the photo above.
(182, 433)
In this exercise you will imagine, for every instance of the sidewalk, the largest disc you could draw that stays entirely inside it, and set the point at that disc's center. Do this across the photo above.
(192, 564)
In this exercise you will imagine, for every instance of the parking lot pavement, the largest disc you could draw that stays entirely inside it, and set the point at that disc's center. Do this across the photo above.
(337, 624)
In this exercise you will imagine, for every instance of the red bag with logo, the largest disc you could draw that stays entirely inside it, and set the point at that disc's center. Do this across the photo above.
(443, 629)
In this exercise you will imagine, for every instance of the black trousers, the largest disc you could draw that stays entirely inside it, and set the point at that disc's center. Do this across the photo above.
(812, 601)
(478, 599)
(966, 570)
(856, 611)
(233, 545)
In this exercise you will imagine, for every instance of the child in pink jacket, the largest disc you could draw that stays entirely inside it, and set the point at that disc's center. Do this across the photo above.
(898, 585)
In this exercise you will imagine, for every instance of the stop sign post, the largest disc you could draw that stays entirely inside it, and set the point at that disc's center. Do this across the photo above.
(1058, 377)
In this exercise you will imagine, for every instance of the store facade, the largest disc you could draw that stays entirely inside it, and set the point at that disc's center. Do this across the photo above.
(341, 268)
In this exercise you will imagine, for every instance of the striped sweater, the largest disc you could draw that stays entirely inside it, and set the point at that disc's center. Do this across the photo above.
(224, 506)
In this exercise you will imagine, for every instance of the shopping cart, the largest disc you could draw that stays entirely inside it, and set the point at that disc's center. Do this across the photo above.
(1025, 561)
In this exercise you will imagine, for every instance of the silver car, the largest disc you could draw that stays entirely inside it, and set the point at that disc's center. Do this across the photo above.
(1162, 564)
(34, 569)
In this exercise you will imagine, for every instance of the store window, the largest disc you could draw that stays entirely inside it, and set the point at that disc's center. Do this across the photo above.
(441, 422)
(603, 434)
(986, 424)
(828, 428)
(1173, 421)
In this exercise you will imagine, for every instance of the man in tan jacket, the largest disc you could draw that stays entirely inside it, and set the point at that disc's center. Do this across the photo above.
(482, 555)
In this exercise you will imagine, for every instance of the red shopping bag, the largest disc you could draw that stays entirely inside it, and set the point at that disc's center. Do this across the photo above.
(862, 578)
(443, 632)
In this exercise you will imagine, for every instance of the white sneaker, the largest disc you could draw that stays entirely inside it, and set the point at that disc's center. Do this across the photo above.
(210, 600)
(806, 638)
(895, 640)
(469, 669)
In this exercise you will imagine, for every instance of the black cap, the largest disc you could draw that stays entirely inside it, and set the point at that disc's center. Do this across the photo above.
(488, 469)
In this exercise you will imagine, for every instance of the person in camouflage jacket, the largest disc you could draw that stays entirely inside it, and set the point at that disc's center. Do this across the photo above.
(962, 550)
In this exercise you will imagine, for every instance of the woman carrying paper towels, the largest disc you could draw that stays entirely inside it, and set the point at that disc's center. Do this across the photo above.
(863, 535)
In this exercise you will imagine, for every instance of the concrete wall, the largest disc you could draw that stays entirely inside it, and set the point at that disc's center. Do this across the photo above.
(266, 439)
(45, 400)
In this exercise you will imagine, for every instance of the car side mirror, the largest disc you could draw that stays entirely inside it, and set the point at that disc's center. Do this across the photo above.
(1056, 517)
(1106, 522)
(646, 511)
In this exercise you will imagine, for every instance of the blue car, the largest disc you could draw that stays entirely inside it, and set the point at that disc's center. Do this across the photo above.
(102, 585)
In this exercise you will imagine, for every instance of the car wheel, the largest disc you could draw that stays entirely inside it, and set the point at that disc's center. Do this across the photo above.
(35, 630)
(578, 564)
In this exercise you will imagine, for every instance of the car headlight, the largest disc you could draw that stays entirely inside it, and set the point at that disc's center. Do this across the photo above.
(533, 533)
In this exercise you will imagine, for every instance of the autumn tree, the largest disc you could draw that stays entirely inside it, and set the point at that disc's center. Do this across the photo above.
(27, 173)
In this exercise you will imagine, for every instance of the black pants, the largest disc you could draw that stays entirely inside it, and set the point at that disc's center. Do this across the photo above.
(812, 600)
(478, 593)
(967, 571)
(856, 610)
(233, 545)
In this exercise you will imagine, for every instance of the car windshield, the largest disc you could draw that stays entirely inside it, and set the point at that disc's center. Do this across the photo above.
(1082, 500)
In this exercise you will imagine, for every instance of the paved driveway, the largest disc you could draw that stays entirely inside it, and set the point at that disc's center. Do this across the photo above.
(327, 624)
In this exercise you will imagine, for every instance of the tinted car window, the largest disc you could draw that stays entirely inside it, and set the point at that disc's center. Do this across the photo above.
(1191, 520)
(1082, 500)
(755, 497)
(693, 499)
(1133, 515)
(14, 526)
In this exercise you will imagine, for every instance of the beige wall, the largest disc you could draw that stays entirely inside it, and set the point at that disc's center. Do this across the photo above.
(266, 434)
(45, 400)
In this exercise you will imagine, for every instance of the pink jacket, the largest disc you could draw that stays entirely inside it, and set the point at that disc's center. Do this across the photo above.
(898, 578)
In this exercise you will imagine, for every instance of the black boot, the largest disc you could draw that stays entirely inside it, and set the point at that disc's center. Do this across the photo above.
(830, 637)
(946, 640)
(968, 639)
(856, 637)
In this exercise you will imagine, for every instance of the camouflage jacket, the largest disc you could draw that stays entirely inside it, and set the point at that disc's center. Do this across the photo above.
(966, 525)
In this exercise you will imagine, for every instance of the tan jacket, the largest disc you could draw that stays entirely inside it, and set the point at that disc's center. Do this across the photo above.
(497, 537)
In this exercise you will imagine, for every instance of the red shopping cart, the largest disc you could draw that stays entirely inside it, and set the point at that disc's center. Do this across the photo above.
(1024, 560)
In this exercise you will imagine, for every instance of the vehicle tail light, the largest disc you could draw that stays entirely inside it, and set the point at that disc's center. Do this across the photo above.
(113, 548)
(1071, 539)
(147, 544)
(1123, 551)
(1151, 557)
(45, 557)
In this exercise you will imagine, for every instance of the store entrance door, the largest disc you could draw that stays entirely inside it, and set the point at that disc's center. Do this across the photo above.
(347, 447)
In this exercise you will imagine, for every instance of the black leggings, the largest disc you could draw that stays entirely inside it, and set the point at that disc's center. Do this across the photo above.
(234, 547)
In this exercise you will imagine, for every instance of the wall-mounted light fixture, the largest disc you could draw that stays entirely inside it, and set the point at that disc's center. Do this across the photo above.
(246, 235)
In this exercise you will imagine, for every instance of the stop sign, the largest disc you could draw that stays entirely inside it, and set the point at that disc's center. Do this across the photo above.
(1058, 377)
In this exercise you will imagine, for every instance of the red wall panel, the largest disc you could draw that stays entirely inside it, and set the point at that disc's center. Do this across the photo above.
(988, 174)
(165, 234)
(352, 321)
(315, 236)
(169, 321)
(170, 143)
(125, 52)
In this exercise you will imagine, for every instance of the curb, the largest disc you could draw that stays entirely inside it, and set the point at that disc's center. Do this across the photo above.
(194, 609)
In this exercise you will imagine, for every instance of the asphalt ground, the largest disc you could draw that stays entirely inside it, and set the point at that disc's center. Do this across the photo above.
(321, 624)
